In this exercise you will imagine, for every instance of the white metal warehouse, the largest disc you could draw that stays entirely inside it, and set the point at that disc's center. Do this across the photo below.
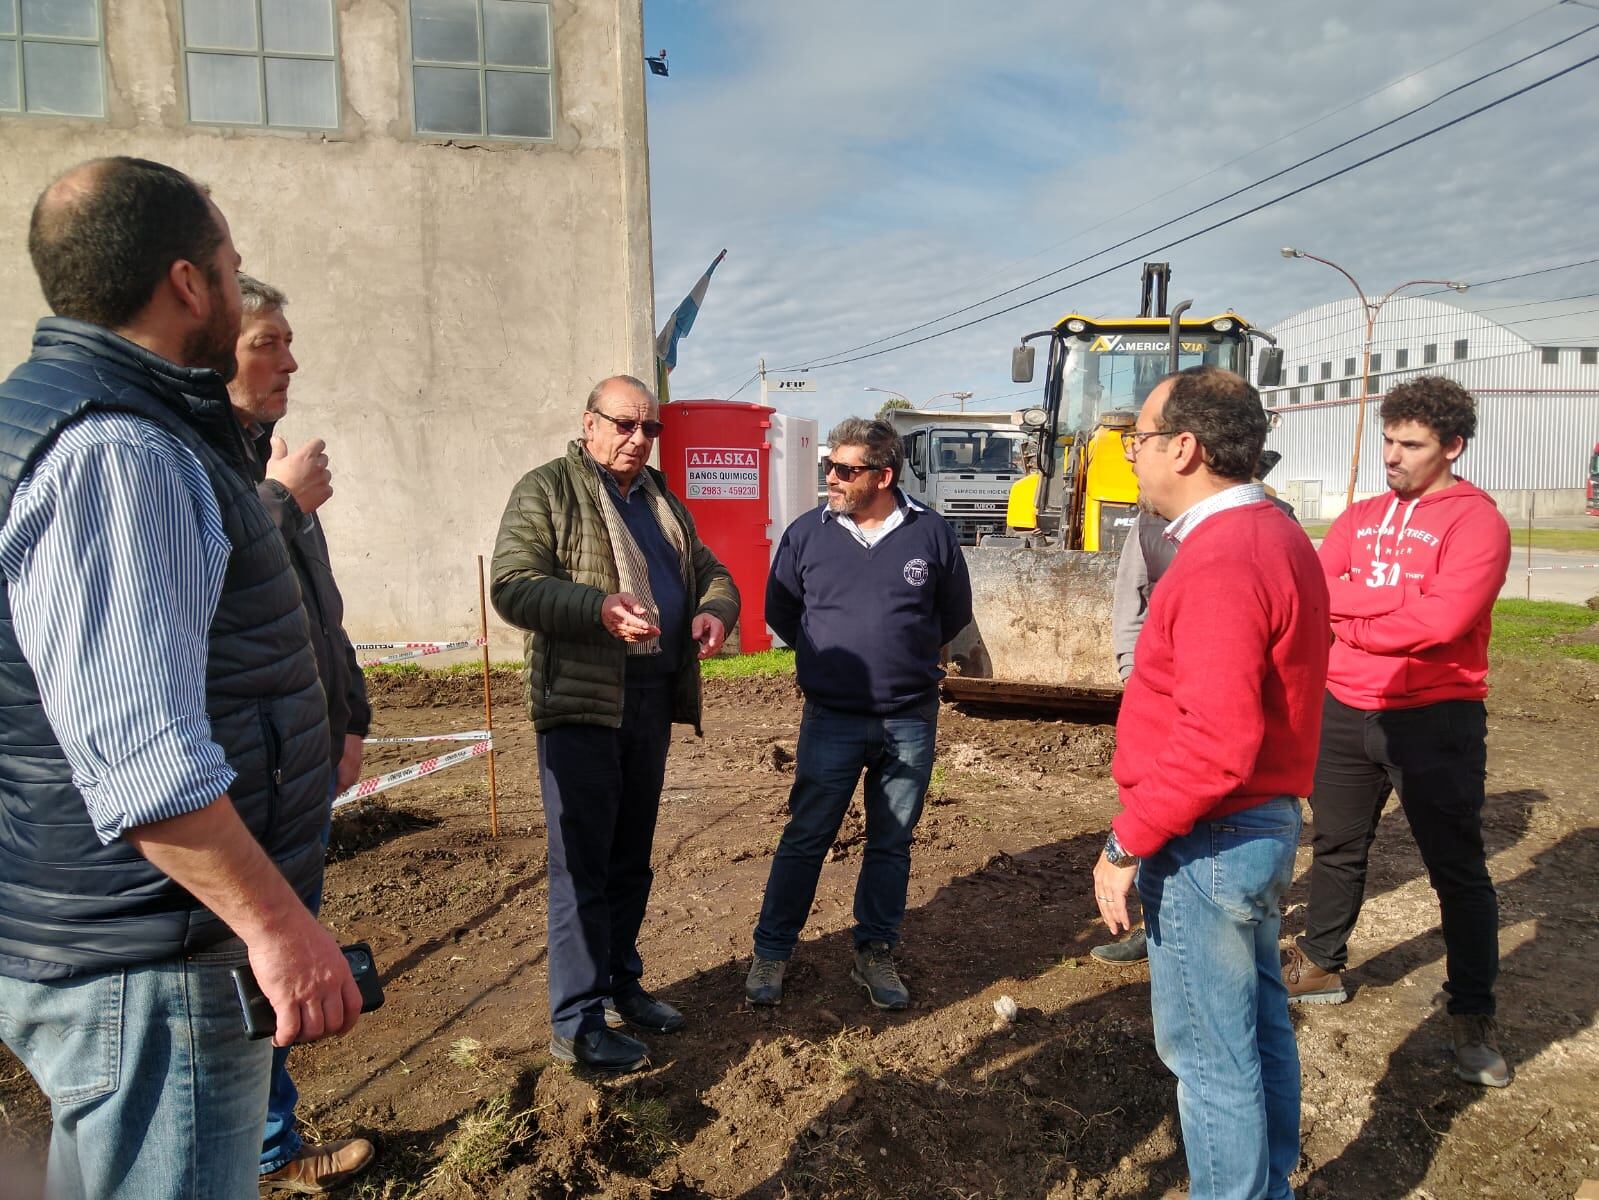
(1534, 371)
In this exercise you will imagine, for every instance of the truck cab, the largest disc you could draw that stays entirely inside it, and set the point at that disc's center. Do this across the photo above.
(962, 466)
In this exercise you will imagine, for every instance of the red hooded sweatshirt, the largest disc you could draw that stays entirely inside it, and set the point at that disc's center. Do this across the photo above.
(1412, 585)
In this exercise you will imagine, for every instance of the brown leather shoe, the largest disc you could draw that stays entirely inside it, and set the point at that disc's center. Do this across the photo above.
(321, 1168)
(1309, 984)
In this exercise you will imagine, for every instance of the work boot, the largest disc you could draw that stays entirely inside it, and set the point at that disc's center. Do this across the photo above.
(875, 971)
(1309, 984)
(764, 983)
(1477, 1057)
(1132, 949)
(320, 1168)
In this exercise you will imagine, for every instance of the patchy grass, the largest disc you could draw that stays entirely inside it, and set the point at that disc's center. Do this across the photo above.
(738, 666)
(1586, 540)
(481, 1147)
(646, 1130)
(1534, 629)
(472, 666)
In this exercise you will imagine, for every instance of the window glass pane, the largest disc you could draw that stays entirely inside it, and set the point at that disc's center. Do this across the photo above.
(515, 34)
(59, 18)
(8, 23)
(444, 30)
(446, 100)
(8, 76)
(62, 79)
(225, 88)
(519, 104)
(297, 27)
(225, 24)
(300, 91)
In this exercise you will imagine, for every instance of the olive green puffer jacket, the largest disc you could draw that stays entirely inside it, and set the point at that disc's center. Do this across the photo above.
(553, 567)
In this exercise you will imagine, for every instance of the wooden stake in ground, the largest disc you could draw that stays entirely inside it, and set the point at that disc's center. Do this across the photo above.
(488, 698)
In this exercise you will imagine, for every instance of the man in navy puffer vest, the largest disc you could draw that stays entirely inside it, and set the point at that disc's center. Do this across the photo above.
(164, 756)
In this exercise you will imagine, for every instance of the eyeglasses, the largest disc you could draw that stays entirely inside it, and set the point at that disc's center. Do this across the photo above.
(1131, 441)
(845, 471)
(626, 427)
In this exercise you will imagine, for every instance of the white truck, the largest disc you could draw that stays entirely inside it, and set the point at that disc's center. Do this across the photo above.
(961, 465)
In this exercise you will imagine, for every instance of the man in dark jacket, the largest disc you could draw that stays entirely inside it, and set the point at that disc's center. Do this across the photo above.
(163, 767)
(620, 598)
(291, 488)
(867, 590)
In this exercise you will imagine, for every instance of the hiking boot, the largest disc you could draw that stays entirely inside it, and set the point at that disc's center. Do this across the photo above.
(1477, 1057)
(601, 1049)
(642, 1011)
(764, 983)
(875, 971)
(320, 1168)
(1309, 984)
(1134, 948)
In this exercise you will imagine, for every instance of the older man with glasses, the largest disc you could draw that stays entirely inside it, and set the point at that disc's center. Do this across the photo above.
(603, 567)
(867, 589)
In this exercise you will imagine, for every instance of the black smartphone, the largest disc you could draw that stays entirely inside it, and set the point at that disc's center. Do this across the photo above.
(261, 1022)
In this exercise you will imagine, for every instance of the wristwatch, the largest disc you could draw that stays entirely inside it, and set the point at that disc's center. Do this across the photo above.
(1115, 855)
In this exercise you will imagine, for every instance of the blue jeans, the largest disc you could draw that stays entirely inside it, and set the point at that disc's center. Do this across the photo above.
(896, 752)
(155, 1093)
(282, 1140)
(1211, 908)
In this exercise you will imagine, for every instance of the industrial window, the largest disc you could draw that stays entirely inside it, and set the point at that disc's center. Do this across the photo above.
(1345, 389)
(1590, 356)
(1429, 353)
(1401, 359)
(1551, 355)
(1460, 349)
(1349, 366)
(1326, 370)
(483, 68)
(261, 62)
(51, 58)
(1304, 374)
(1293, 393)
(1376, 360)
(1372, 387)
(1320, 393)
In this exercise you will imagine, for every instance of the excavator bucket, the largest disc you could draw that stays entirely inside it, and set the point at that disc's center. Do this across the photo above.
(1041, 630)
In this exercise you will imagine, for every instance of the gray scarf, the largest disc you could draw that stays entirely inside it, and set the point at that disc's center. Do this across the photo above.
(632, 569)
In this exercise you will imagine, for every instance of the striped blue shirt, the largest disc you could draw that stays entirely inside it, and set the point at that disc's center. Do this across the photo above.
(114, 554)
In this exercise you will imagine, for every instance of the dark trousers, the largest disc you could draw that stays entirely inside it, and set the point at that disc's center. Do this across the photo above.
(601, 791)
(1436, 758)
(896, 752)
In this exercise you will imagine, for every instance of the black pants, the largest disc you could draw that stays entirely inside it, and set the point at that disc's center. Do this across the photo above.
(1436, 758)
(601, 790)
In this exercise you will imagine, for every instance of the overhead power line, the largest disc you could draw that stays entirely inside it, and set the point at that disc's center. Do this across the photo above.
(835, 361)
(823, 359)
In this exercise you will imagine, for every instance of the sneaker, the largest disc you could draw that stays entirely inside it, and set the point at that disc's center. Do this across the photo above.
(875, 971)
(601, 1049)
(1134, 948)
(641, 1010)
(320, 1168)
(764, 983)
(1309, 984)
(1477, 1057)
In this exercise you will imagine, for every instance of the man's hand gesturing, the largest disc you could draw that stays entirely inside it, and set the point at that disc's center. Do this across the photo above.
(625, 616)
(304, 472)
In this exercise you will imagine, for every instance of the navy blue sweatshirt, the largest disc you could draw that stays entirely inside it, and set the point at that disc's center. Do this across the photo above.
(867, 625)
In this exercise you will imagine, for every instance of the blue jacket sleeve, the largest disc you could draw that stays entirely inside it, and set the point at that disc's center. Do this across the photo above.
(954, 595)
(784, 597)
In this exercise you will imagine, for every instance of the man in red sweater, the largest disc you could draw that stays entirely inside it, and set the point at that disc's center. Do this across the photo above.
(1413, 577)
(1215, 744)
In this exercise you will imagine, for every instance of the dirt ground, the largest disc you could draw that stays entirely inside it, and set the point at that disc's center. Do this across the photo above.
(826, 1097)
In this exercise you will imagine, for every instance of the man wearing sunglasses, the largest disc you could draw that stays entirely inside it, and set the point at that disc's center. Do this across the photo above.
(620, 598)
(1215, 743)
(867, 589)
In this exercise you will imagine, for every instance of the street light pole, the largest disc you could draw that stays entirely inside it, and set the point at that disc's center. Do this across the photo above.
(1371, 308)
(891, 392)
(963, 397)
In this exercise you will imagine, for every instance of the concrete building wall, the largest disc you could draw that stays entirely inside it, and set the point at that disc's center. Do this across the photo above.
(453, 299)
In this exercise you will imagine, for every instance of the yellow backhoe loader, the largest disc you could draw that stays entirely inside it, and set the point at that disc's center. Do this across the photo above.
(1042, 591)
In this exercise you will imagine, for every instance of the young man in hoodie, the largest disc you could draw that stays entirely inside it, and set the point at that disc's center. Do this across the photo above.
(1413, 576)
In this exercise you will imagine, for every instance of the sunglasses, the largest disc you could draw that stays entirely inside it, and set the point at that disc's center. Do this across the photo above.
(626, 427)
(844, 471)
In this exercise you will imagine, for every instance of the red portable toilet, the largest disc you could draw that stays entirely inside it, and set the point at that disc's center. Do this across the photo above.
(716, 456)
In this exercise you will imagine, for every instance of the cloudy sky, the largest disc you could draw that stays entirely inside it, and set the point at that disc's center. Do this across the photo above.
(873, 165)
